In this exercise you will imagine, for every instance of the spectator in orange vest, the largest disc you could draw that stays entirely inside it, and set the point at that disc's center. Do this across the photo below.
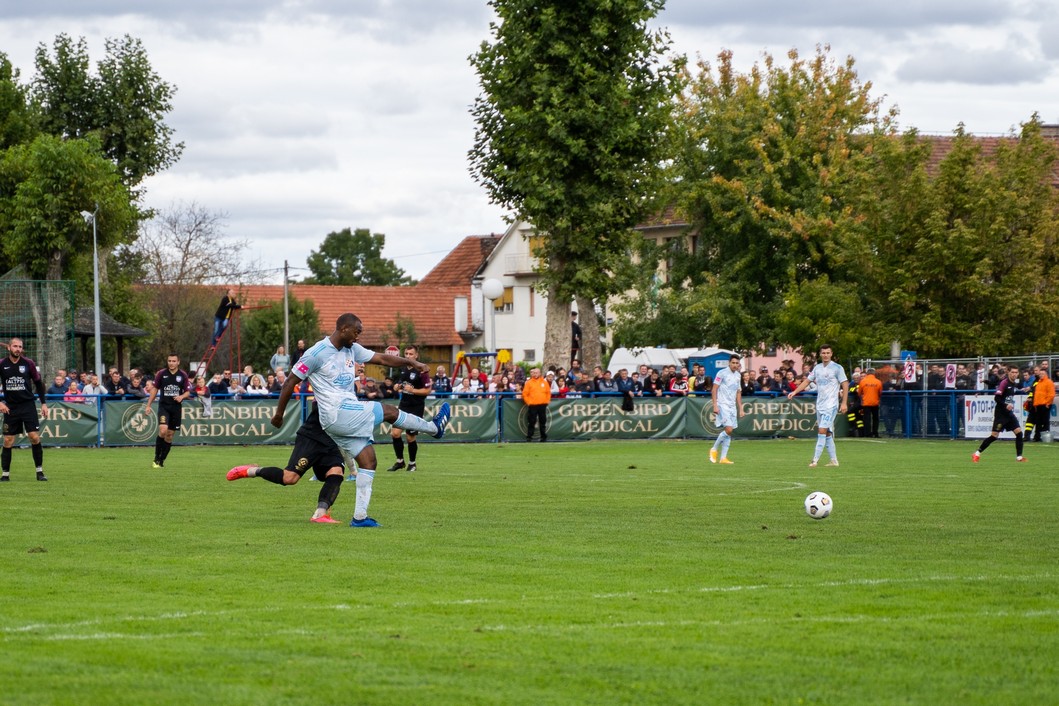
(536, 394)
(869, 388)
(1043, 396)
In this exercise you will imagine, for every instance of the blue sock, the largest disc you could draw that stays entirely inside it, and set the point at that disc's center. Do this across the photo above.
(821, 439)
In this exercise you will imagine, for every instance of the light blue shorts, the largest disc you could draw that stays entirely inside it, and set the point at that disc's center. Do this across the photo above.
(355, 426)
(825, 418)
(727, 417)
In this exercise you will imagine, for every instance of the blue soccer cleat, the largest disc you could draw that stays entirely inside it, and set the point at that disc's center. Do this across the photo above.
(441, 419)
(366, 522)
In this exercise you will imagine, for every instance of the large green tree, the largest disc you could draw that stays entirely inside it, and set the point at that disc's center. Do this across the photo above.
(572, 131)
(354, 258)
(766, 162)
(963, 260)
(124, 103)
(44, 187)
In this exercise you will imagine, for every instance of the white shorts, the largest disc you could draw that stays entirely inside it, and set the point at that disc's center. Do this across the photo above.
(727, 418)
(355, 426)
(825, 418)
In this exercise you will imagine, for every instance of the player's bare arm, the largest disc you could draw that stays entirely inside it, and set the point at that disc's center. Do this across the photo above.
(285, 393)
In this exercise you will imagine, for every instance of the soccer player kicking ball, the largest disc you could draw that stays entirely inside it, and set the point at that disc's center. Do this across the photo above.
(727, 407)
(314, 449)
(832, 387)
(330, 367)
(1004, 418)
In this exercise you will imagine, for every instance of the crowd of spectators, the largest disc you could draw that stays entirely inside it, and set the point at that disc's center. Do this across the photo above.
(508, 380)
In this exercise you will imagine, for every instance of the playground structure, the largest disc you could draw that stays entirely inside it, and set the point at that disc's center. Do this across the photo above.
(464, 360)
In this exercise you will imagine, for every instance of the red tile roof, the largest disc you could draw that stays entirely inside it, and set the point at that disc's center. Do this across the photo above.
(458, 267)
(941, 146)
(432, 310)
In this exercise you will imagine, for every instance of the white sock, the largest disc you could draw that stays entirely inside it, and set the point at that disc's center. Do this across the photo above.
(414, 423)
(364, 479)
(831, 448)
(720, 438)
(725, 444)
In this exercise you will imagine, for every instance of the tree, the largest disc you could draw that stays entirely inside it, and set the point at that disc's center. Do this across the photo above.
(183, 256)
(354, 258)
(124, 105)
(263, 329)
(963, 262)
(766, 161)
(18, 122)
(185, 244)
(571, 135)
(44, 187)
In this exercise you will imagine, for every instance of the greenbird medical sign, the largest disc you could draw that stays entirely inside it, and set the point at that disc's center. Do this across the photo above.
(763, 417)
(472, 420)
(229, 422)
(68, 424)
(600, 418)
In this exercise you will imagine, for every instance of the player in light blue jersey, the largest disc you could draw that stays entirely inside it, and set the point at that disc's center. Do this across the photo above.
(832, 387)
(330, 367)
(727, 407)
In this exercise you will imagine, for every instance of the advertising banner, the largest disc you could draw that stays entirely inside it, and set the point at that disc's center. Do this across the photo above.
(472, 420)
(978, 416)
(230, 422)
(68, 424)
(763, 417)
(601, 418)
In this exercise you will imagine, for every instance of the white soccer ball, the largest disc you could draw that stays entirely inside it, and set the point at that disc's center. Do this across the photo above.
(818, 505)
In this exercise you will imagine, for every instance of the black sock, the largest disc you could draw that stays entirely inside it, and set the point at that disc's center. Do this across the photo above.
(328, 493)
(413, 448)
(5, 460)
(985, 443)
(271, 474)
(38, 455)
(398, 448)
(1018, 444)
(166, 447)
(158, 441)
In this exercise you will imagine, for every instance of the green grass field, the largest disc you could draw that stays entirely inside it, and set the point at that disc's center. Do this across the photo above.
(577, 573)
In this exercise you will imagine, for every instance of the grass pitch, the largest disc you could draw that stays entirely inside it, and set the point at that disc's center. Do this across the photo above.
(588, 573)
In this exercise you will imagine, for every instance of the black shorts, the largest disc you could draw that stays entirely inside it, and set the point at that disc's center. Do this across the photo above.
(1005, 420)
(309, 453)
(417, 406)
(169, 415)
(22, 417)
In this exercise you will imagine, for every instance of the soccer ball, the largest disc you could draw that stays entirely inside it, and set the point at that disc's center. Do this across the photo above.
(818, 505)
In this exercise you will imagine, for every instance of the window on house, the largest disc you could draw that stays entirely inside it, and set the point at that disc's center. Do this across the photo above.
(529, 355)
(505, 303)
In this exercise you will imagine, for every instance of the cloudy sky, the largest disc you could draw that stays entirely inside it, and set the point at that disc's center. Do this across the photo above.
(302, 117)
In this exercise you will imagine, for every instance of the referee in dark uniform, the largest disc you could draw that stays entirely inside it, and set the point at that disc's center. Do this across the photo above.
(414, 387)
(18, 375)
(174, 387)
(314, 449)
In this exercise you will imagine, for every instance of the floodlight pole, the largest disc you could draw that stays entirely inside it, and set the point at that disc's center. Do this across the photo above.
(95, 290)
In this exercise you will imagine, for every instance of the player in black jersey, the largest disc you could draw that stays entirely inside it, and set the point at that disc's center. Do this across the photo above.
(18, 375)
(1004, 418)
(173, 386)
(414, 387)
(314, 449)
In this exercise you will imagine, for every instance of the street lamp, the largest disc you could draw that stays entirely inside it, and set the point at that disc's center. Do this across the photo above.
(91, 217)
(492, 289)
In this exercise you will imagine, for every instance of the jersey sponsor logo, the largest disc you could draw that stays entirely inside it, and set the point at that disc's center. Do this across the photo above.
(343, 380)
(303, 369)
